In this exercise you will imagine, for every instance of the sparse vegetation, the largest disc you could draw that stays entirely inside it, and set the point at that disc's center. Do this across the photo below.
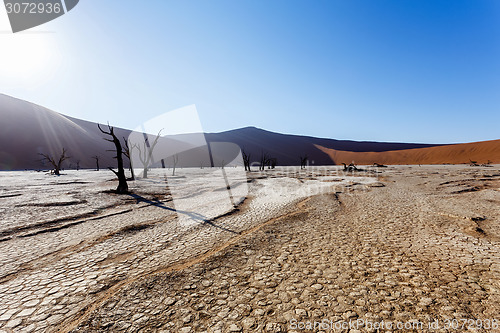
(246, 160)
(264, 158)
(350, 168)
(96, 158)
(487, 164)
(271, 163)
(56, 162)
(475, 163)
(303, 161)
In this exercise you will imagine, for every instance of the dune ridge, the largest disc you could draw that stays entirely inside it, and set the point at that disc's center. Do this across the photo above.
(27, 129)
(480, 152)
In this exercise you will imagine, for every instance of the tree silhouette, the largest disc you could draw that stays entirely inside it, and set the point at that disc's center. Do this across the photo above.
(120, 174)
(56, 162)
(350, 168)
(96, 158)
(271, 163)
(303, 161)
(264, 160)
(246, 160)
(127, 151)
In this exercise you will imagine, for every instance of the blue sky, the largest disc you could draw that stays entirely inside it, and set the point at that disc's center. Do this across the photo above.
(409, 71)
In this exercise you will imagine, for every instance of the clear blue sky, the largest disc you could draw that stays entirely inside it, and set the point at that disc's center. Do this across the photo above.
(410, 71)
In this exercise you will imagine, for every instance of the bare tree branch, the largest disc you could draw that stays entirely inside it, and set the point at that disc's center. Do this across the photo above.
(56, 163)
(122, 180)
(146, 154)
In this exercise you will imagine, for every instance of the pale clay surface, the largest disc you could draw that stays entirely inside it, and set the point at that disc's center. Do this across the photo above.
(406, 243)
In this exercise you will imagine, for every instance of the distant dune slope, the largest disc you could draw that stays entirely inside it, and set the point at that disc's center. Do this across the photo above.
(27, 130)
(482, 152)
(287, 148)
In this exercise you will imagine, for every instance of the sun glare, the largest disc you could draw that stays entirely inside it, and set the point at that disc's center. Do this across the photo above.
(26, 58)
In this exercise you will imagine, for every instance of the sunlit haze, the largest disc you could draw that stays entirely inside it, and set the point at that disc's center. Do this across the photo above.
(412, 71)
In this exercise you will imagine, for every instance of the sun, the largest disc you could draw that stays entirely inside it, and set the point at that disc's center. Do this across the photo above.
(25, 57)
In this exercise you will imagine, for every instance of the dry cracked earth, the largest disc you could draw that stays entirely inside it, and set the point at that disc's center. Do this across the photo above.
(418, 248)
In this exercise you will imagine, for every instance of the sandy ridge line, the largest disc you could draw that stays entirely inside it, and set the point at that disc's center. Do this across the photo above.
(177, 266)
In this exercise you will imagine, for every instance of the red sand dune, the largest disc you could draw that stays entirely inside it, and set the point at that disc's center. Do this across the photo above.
(482, 152)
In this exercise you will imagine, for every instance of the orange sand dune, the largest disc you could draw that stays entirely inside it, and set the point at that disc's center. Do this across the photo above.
(454, 154)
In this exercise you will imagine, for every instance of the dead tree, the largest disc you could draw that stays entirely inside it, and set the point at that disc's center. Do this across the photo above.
(56, 162)
(127, 152)
(246, 160)
(264, 158)
(487, 164)
(175, 159)
(96, 158)
(303, 161)
(120, 174)
(271, 163)
(350, 168)
(146, 155)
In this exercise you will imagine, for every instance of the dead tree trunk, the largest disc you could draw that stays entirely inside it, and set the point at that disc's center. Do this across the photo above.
(303, 161)
(175, 159)
(246, 160)
(56, 163)
(272, 163)
(120, 174)
(264, 158)
(96, 158)
(146, 156)
(127, 152)
(350, 168)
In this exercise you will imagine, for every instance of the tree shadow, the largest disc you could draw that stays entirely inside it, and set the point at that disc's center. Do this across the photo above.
(192, 215)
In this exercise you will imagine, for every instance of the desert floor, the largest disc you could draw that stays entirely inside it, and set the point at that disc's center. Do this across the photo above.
(404, 245)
